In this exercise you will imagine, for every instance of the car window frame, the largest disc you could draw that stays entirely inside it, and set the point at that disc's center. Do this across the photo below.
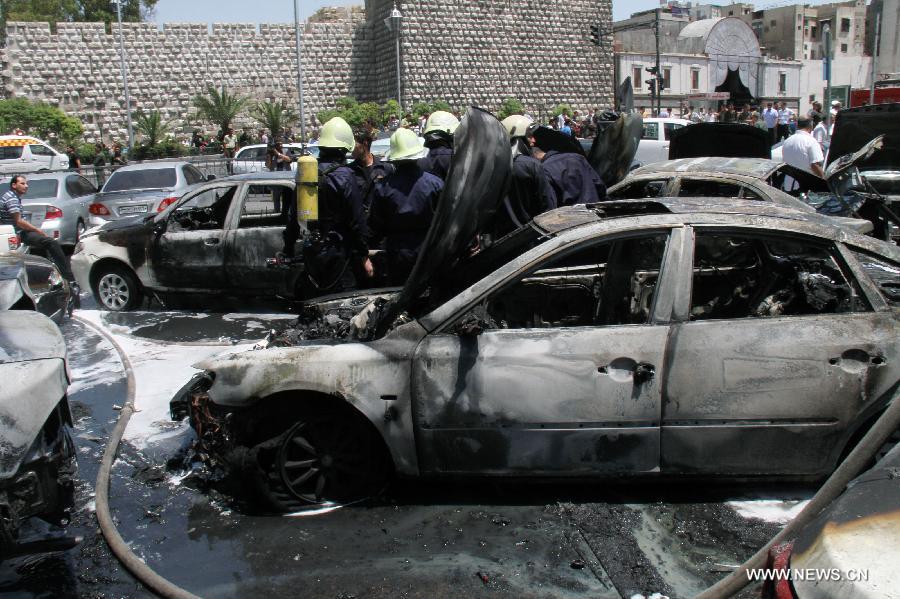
(666, 179)
(650, 125)
(718, 180)
(169, 213)
(45, 150)
(239, 209)
(535, 258)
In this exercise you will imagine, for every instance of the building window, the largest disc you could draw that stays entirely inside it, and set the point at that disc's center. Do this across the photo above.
(637, 77)
(814, 32)
(845, 25)
(782, 83)
(843, 48)
(812, 54)
(667, 77)
(695, 78)
(773, 22)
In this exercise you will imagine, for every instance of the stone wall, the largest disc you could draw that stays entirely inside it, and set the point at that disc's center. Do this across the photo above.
(463, 51)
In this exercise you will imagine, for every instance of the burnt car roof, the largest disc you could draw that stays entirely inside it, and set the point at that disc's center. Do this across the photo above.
(855, 127)
(759, 168)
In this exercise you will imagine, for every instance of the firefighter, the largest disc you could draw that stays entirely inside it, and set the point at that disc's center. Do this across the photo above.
(337, 244)
(403, 205)
(438, 136)
(530, 193)
(572, 177)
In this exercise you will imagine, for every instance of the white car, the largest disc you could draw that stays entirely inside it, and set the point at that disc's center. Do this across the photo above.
(252, 159)
(25, 154)
(654, 146)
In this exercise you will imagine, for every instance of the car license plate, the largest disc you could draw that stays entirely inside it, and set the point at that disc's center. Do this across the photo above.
(133, 209)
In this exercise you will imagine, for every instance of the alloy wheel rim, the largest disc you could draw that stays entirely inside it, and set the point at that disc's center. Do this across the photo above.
(114, 292)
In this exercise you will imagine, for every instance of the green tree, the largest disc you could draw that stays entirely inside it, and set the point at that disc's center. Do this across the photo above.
(357, 114)
(563, 109)
(391, 108)
(152, 127)
(219, 107)
(274, 116)
(509, 107)
(37, 118)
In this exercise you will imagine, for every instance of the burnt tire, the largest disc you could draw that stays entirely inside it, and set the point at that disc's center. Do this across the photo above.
(324, 457)
(116, 288)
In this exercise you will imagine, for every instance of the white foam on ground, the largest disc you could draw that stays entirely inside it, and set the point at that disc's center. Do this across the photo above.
(771, 510)
(159, 371)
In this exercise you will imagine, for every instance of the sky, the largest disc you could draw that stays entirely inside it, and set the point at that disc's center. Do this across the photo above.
(282, 11)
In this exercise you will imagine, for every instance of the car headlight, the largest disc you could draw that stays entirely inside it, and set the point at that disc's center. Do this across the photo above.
(79, 247)
(55, 279)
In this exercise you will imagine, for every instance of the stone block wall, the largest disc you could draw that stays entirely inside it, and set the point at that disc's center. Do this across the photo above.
(468, 52)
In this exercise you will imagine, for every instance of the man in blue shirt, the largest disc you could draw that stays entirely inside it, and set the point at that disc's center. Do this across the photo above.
(11, 214)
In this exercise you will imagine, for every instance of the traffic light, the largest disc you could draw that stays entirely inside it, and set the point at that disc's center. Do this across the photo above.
(652, 70)
(651, 85)
(595, 35)
(662, 83)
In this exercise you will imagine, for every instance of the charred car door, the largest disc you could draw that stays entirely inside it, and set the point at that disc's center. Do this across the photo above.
(188, 252)
(778, 357)
(556, 371)
(258, 234)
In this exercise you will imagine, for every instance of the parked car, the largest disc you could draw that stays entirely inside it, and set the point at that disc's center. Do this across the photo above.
(850, 548)
(638, 338)
(37, 456)
(57, 203)
(144, 188)
(214, 239)
(739, 178)
(34, 283)
(25, 154)
(252, 159)
(654, 144)
(9, 240)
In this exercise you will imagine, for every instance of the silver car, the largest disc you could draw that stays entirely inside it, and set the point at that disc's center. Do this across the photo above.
(57, 203)
(252, 159)
(144, 188)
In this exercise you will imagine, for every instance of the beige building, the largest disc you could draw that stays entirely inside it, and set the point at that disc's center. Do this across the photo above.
(889, 42)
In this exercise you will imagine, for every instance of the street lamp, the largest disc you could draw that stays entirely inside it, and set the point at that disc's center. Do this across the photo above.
(118, 4)
(298, 45)
(393, 23)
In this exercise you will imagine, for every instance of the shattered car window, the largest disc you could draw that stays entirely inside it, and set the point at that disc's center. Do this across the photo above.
(885, 274)
(743, 276)
(610, 283)
(703, 188)
(266, 206)
(640, 189)
(206, 210)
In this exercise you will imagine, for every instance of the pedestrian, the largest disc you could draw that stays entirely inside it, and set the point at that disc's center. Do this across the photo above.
(693, 116)
(117, 158)
(530, 192)
(439, 130)
(573, 179)
(99, 163)
(339, 245)
(74, 159)
(770, 118)
(33, 237)
(229, 142)
(802, 151)
(244, 138)
(196, 139)
(277, 161)
(758, 123)
(664, 113)
(785, 117)
(403, 205)
(820, 133)
(263, 137)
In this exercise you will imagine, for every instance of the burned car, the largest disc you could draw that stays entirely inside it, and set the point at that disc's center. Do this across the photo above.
(637, 338)
(34, 283)
(37, 456)
(213, 240)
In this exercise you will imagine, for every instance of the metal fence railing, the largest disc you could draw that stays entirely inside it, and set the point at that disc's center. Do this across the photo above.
(208, 165)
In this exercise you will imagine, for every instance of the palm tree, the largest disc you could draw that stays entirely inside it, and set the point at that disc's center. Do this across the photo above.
(152, 127)
(273, 116)
(219, 108)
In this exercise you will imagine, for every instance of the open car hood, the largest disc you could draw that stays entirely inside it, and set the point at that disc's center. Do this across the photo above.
(476, 184)
(615, 147)
(840, 165)
(730, 140)
(856, 127)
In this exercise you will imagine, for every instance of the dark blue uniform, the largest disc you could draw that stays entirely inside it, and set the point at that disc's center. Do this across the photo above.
(367, 175)
(573, 179)
(438, 161)
(401, 213)
(530, 194)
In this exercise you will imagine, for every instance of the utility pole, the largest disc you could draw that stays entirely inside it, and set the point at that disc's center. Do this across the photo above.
(826, 32)
(298, 45)
(393, 22)
(876, 52)
(659, 80)
(124, 77)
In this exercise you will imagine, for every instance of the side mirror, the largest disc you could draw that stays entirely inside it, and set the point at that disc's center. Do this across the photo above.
(210, 177)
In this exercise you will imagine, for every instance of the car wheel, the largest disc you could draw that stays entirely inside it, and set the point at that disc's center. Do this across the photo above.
(117, 289)
(322, 459)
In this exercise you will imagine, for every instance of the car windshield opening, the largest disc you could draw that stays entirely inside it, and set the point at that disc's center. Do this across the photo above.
(156, 178)
(41, 188)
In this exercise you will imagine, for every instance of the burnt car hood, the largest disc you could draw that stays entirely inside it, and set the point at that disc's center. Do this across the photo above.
(132, 233)
(731, 140)
(840, 166)
(13, 282)
(615, 147)
(32, 367)
(476, 184)
(856, 127)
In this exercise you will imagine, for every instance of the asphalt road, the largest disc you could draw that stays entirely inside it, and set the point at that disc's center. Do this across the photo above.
(436, 540)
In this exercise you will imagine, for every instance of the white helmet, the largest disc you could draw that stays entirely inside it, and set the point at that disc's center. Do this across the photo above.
(336, 133)
(441, 120)
(405, 145)
(517, 125)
